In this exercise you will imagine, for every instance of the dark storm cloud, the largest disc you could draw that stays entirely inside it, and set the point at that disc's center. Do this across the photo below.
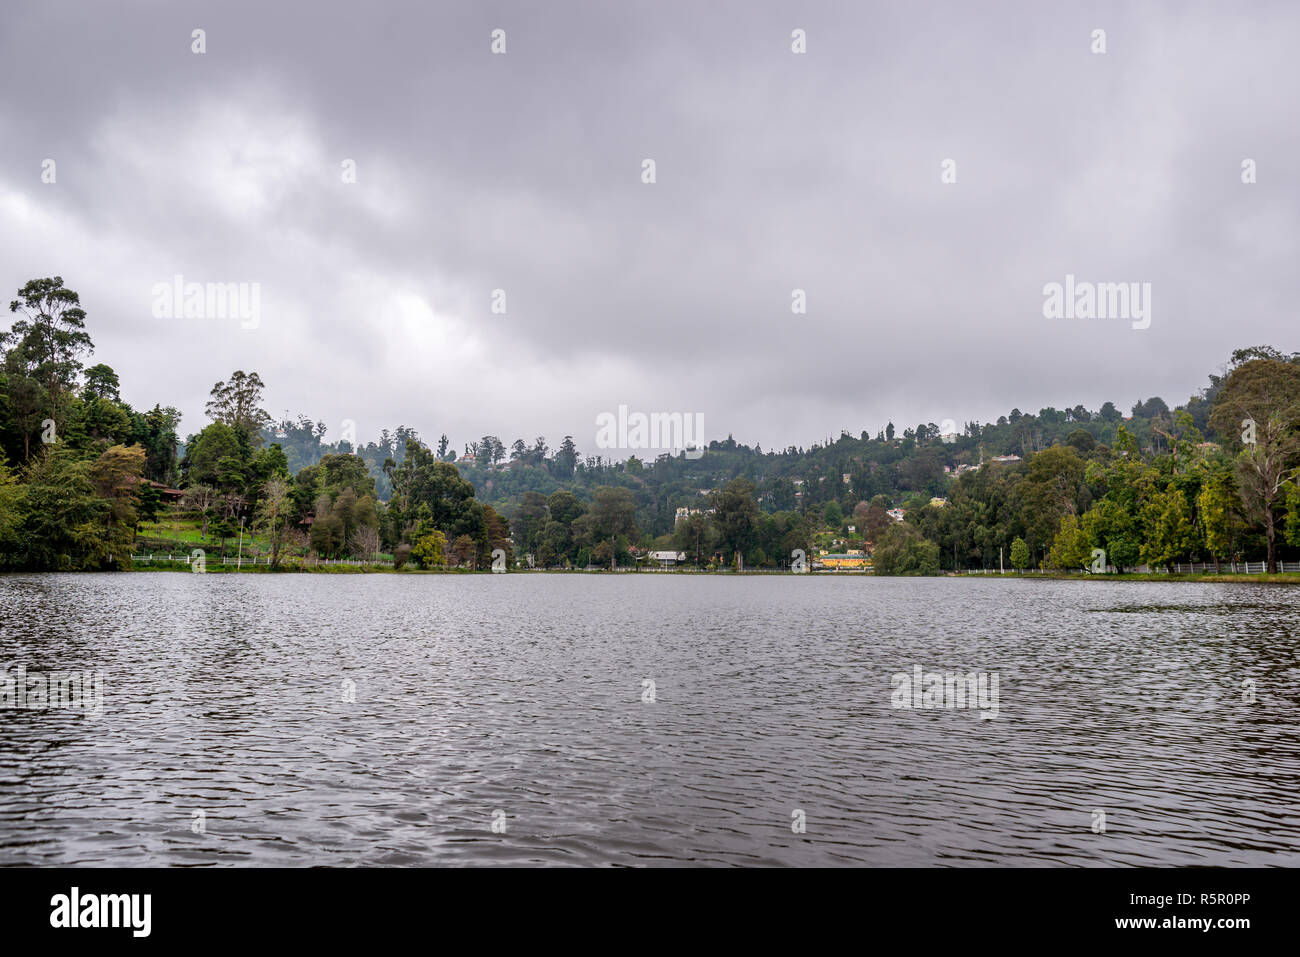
(775, 171)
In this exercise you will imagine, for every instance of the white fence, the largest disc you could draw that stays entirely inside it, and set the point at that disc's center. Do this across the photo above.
(1229, 568)
(1194, 568)
(264, 560)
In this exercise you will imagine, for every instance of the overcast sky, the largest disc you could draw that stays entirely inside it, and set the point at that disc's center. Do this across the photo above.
(775, 171)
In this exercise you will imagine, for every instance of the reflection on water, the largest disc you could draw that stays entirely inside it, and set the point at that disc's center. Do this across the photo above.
(227, 735)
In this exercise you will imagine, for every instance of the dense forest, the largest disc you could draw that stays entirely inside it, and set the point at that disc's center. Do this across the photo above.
(87, 481)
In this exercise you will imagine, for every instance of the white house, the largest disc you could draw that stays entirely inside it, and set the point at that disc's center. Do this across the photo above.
(668, 558)
(683, 513)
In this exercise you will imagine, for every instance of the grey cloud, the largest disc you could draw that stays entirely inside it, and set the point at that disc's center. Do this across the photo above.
(775, 172)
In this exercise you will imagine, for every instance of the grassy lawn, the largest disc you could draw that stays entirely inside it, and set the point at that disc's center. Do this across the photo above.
(179, 535)
(189, 531)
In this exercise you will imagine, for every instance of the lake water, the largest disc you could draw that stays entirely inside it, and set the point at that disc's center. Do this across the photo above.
(1136, 723)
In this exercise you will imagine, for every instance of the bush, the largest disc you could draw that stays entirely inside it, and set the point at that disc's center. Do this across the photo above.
(1071, 549)
(428, 551)
(401, 555)
(903, 550)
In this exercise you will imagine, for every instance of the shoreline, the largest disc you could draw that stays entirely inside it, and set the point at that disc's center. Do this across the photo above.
(1280, 578)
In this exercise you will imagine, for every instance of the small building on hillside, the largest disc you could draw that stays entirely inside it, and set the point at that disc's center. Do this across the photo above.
(169, 496)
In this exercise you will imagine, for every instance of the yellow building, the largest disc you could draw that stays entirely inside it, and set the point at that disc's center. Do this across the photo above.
(845, 561)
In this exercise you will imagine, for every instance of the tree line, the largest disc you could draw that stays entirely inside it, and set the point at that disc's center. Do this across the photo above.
(81, 471)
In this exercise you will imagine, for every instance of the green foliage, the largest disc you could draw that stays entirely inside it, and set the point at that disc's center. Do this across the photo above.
(274, 515)
(464, 552)
(428, 552)
(49, 339)
(1082, 440)
(1072, 548)
(1292, 524)
(223, 529)
(63, 518)
(1170, 537)
(613, 515)
(1020, 557)
(237, 403)
(1257, 411)
(1111, 525)
(13, 502)
(425, 489)
(735, 517)
(903, 550)
(832, 514)
(1053, 487)
(213, 457)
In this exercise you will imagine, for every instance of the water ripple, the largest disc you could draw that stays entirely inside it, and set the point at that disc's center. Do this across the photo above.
(500, 720)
